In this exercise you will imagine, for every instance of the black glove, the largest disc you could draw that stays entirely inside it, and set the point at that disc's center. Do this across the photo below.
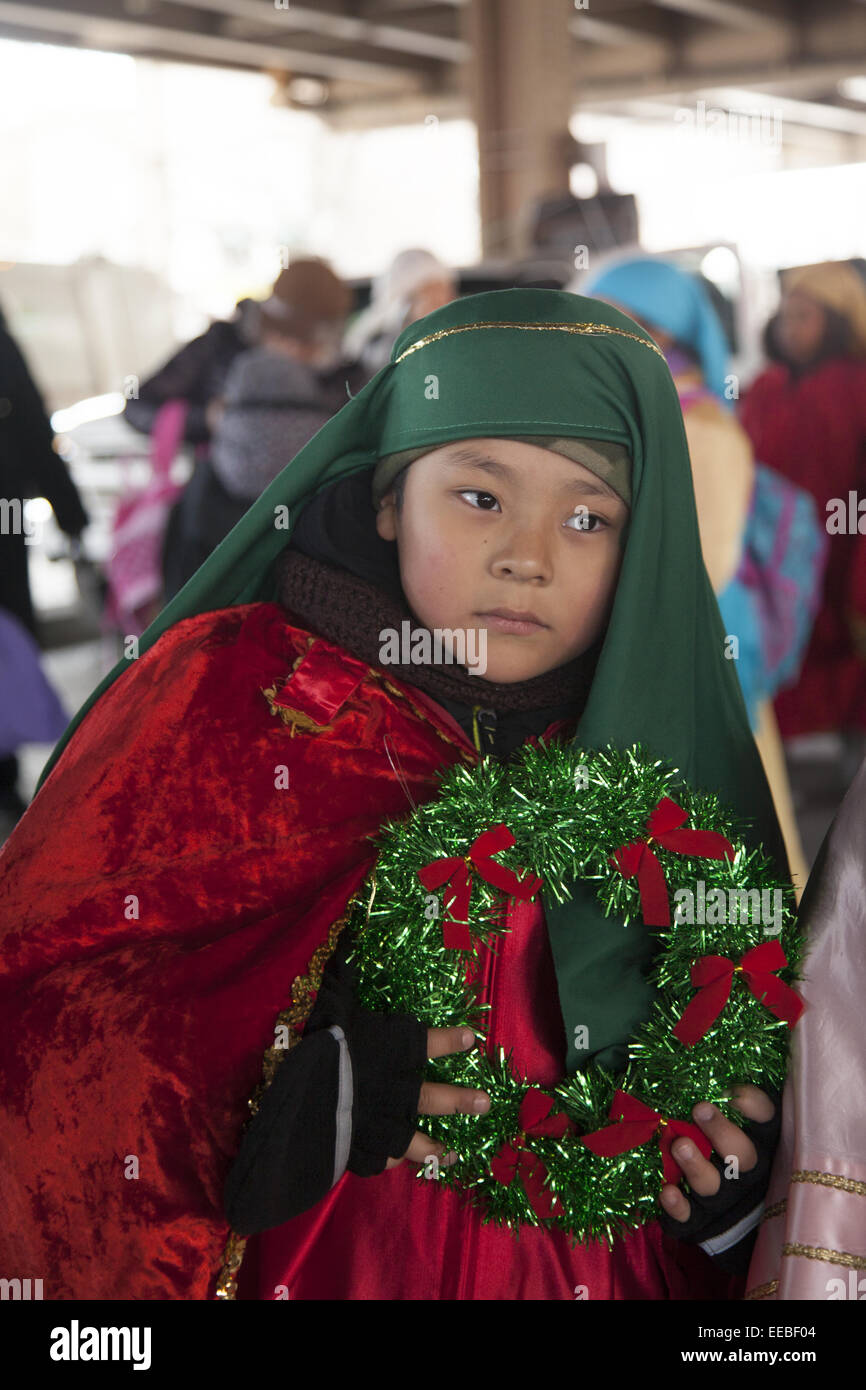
(346, 1096)
(726, 1224)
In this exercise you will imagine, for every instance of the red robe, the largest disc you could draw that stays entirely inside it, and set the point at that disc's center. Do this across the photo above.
(812, 429)
(164, 902)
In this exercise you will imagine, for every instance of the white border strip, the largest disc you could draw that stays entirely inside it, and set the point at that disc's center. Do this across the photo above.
(345, 1093)
(716, 1244)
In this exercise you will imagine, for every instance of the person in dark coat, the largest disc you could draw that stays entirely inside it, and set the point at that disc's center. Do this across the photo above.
(29, 467)
(272, 400)
(196, 374)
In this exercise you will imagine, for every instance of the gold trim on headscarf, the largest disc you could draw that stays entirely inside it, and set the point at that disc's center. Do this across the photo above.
(586, 329)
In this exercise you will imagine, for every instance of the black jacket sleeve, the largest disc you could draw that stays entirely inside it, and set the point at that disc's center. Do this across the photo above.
(345, 1097)
(726, 1224)
(196, 373)
(30, 465)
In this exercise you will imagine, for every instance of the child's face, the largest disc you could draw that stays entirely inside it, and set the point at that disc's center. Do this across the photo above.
(536, 533)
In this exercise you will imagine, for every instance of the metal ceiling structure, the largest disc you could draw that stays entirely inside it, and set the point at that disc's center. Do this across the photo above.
(382, 60)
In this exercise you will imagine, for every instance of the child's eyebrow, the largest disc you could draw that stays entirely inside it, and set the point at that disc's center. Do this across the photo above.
(462, 457)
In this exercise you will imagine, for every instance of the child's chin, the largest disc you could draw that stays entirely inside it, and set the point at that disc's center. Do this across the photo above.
(511, 672)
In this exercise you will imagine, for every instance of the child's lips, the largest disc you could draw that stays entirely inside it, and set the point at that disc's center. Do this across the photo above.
(519, 626)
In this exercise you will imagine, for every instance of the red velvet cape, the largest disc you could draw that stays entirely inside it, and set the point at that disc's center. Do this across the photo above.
(164, 899)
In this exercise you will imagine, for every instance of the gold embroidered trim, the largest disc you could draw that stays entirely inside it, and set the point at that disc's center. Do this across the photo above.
(294, 718)
(303, 989)
(422, 715)
(232, 1259)
(820, 1252)
(775, 1210)
(830, 1180)
(585, 329)
(763, 1290)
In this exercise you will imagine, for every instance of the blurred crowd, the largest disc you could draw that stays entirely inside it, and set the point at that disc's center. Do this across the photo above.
(773, 459)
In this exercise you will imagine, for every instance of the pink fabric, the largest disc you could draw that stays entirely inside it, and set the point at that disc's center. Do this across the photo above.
(134, 568)
(824, 1103)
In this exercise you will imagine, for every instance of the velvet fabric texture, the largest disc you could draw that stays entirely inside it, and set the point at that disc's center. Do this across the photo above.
(149, 951)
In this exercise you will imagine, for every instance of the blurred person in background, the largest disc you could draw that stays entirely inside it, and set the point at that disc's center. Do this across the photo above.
(762, 542)
(29, 467)
(414, 284)
(30, 711)
(275, 396)
(196, 373)
(806, 416)
(274, 400)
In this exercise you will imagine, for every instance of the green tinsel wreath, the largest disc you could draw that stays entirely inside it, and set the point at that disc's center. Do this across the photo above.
(568, 810)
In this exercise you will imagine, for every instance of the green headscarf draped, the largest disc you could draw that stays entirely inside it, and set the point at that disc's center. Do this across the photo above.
(531, 363)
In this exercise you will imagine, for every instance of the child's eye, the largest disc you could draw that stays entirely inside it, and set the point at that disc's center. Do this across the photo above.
(583, 522)
(476, 492)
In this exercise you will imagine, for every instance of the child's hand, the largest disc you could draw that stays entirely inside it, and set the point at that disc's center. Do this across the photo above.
(437, 1098)
(727, 1139)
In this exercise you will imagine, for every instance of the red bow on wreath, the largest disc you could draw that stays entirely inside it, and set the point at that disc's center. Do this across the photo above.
(455, 933)
(638, 858)
(514, 1158)
(714, 975)
(638, 1124)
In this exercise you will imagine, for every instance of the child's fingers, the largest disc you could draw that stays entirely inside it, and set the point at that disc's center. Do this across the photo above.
(702, 1176)
(729, 1142)
(727, 1138)
(443, 1041)
(675, 1202)
(421, 1149)
(752, 1102)
(437, 1098)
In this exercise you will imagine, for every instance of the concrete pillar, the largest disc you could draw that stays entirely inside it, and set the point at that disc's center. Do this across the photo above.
(521, 80)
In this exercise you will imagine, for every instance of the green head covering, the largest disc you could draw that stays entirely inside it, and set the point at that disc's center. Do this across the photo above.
(548, 364)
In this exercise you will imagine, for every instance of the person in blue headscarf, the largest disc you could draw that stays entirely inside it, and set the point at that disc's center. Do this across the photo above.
(655, 291)
(763, 546)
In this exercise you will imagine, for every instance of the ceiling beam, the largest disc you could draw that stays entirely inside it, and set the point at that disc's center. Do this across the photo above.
(336, 27)
(605, 31)
(725, 12)
(144, 39)
(684, 84)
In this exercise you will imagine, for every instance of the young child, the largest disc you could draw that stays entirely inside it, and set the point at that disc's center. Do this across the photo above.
(209, 827)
